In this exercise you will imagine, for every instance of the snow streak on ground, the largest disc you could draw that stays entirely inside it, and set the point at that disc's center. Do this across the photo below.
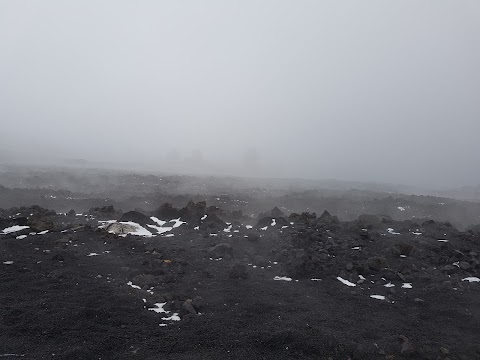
(13, 229)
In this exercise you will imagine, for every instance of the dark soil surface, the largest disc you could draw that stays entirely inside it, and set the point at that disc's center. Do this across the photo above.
(80, 292)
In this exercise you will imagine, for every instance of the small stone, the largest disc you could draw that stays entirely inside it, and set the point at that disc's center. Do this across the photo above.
(349, 266)
(407, 346)
(187, 306)
(444, 350)
(197, 303)
(464, 265)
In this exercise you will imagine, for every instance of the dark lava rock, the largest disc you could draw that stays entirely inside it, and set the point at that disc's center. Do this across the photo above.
(376, 263)
(167, 212)
(407, 346)
(213, 222)
(238, 271)
(193, 212)
(369, 221)
(274, 213)
(41, 224)
(402, 249)
(21, 221)
(136, 217)
(267, 221)
(302, 218)
(197, 303)
(188, 307)
(221, 250)
(326, 218)
(102, 212)
(464, 265)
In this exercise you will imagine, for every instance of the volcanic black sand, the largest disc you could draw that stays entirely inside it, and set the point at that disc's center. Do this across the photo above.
(78, 291)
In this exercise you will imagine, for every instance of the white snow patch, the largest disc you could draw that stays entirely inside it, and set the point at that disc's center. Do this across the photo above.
(228, 229)
(389, 285)
(417, 233)
(282, 278)
(133, 286)
(204, 217)
(401, 208)
(92, 254)
(284, 226)
(378, 297)
(161, 229)
(42, 232)
(169, 235)
(274, 222)
(196, 228)
(174, 317)
(442, 240)
(248, 226)
(139, 230)
(391, 231)
(12, 229)
(158, 221)
(315, 279)
(159, 308)
(471, 279)
(212, 234)
(264, 228)
(407, 286)
(177, 222)
(21, 237)
(356, 248)
(346, 282)
(8, 262)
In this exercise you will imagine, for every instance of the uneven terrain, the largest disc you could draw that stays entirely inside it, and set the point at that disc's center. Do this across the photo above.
(199, 280)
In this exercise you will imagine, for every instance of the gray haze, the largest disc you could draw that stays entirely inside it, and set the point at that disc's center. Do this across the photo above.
(356, 90)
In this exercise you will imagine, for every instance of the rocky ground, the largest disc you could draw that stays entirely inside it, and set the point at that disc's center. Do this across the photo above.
(200, 282)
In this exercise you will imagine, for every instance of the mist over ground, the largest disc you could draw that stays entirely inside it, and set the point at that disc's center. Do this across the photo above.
(372, 91)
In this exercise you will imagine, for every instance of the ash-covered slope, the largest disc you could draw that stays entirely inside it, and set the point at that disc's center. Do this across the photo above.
(292, 286)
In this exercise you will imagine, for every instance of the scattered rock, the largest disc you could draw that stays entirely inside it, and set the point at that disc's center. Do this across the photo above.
(221, 250)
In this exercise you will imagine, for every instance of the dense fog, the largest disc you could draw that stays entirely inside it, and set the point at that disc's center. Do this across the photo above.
(369, 91)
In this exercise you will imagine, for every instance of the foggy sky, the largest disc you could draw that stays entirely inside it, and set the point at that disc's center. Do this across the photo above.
(385, 91)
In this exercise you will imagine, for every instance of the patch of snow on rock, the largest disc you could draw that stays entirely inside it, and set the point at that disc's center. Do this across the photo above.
(159, 308)
(177, 222)
(174, 317)
(471, 279)
(378, 297)
(14, 228)
(282, 278)
(158, 221)
(391, 231)
(133, 286)
(345, 282)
